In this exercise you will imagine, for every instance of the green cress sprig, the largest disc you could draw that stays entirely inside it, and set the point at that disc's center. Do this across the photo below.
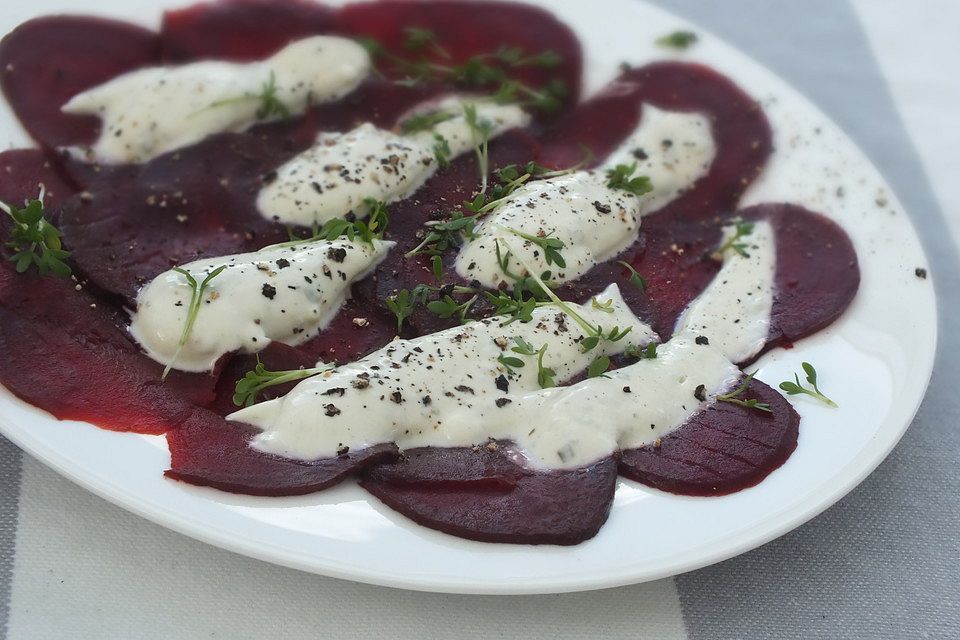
(795, 388)
(34, 241)
(366, 231)
(270, 103)
(741, 230)
(679, 40)
(432, 64)
(621, 177)
(752, 403)
(254, 382)
(196, 297)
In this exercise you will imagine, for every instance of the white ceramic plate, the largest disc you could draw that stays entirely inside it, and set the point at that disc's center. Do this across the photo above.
(875, 361)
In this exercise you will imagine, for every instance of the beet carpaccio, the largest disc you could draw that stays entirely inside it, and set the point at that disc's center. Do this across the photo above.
(392, 242)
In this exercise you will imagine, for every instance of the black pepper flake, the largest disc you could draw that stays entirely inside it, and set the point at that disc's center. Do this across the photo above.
(269, 291)
(502, 402)
(337, 254)
(602, 208)
(331, 410)
(639, 154)
(462, 388)
(626, 389)
(700, 393)
(316, 187)
(502, 383)
(336, 391)
(426, 400)
(283, 263)
(397, 397)
(920, 273)
(702, 340)
(343, 450)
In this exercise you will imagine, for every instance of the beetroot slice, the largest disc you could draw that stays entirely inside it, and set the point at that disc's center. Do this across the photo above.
(465, 28)
(209, 451)
(24, 171)
(723, 449)
(47, 61)
(65, 352)
(240, 29)
(483, 495)
(817, 271)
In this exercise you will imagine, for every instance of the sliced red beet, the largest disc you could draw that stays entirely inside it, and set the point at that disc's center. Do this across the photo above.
(723, 449)
(240, 29)
(47, 61)
(24, 171)
(478, 501)
(817, 271)
(65, 351)
(465, 28)
(209, 451)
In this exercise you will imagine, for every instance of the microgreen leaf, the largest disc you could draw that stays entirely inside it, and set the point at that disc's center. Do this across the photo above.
(678, 40)
(741, 230)
(425, 121)
(34, 241)
(196, 297)
(598, 367)
(254, 382)
(621, 177)
(795, 388)
(752, 403)
(636, 279)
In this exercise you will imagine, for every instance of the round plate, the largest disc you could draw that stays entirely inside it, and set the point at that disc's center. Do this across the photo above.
(875, 361)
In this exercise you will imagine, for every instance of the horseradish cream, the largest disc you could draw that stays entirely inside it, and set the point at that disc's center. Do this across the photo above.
(286, 293)
(341, 170)
(594, 221)
(151, 111)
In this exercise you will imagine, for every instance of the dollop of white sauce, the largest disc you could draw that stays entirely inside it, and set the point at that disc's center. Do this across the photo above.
(442, 389)
(286, 293)
(341, 170)
(733, 312)
(151, 111)
(595, 222)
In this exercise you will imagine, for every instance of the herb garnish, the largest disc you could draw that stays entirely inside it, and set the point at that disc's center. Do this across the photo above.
(35, 241)
(678, 40)
(545, 375)
(254, 382)
(794, 388)
(598, 367)
(425, 121)
(741, 229)
(647, 353)
(441, 151)
(270, 103)
(196, 297)
(752, 403)
(551, 246)
(366, 231)
(480, 131)
(636, 279)
(482, 70)
(621, 177)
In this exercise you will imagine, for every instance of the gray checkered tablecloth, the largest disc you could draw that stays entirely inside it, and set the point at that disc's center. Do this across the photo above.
(883, 563)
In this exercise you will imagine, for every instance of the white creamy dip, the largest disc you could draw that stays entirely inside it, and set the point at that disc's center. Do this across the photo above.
(733, 312)
(341, 170)
(448, 389)
(282, 293)
(151, 111)
(594, 222)
(442, 389)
